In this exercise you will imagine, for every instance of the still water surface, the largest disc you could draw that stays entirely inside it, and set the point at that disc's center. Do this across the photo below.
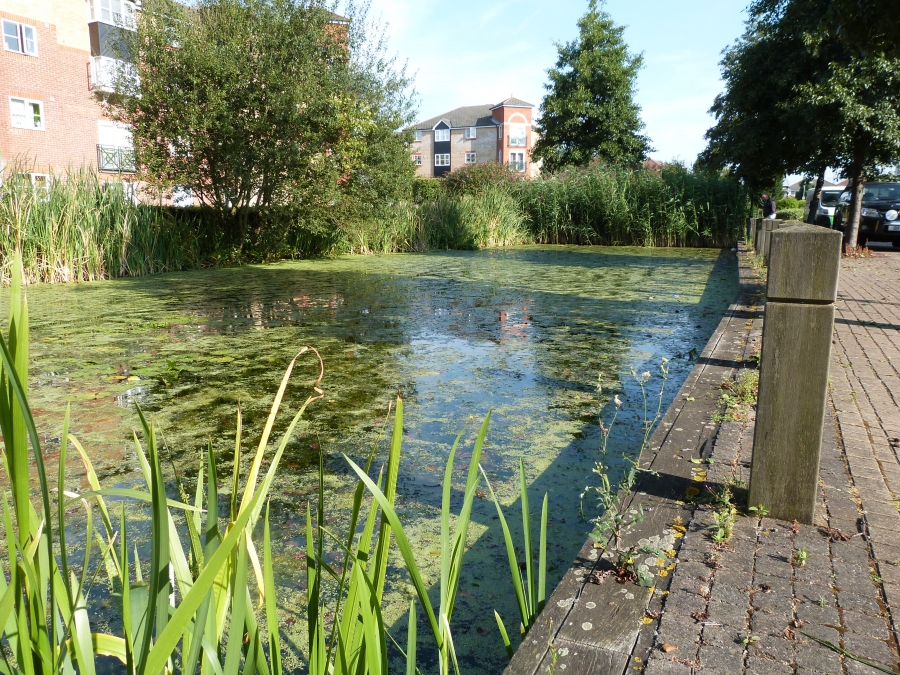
(525, 332)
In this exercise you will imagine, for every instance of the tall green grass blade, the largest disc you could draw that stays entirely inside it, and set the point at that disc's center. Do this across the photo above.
(526, 531)
(411, 639)
(405, 549)
(511, 557)
(504, 635)
(542, 557)
(271, 607)
(238, 612)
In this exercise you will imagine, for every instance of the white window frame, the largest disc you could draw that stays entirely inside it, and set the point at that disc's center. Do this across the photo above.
(418, 133)
(517, 160)
(439, 135)
(470, 158)
(21, 30)
(500, 131)
(514, 140)
(442, 159)
(42, 191)
(417, 160)
(27, 102)
(471, 133)
(124, 17)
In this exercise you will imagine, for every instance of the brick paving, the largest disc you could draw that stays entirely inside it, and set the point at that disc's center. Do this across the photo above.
(743, 608)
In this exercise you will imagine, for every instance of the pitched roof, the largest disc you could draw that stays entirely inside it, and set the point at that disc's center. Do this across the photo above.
(467, 116)
(337, 18)
(514, 102)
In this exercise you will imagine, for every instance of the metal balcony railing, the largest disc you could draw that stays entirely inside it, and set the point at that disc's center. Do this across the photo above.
(114, 158)
(106, 73)
(517, 166)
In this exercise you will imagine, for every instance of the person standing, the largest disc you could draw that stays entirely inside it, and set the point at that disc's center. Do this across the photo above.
(768, 207)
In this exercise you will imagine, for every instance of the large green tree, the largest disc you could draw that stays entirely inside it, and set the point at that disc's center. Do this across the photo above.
(799, 99)
(257, 103)
(589, 111)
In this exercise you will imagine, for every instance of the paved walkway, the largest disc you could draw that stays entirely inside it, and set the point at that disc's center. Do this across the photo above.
(744, 608)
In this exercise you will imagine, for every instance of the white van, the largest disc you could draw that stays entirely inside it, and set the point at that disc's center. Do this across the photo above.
(827, 205)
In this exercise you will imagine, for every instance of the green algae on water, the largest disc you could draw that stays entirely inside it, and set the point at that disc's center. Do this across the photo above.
(523, 331)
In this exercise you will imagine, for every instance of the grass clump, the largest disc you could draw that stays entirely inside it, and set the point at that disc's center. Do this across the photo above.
(737, 397)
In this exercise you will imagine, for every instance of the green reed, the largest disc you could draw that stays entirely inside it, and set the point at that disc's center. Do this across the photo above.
(621, 206)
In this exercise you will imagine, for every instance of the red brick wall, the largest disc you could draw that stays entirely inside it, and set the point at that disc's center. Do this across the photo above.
(507, 115)
(59, 77)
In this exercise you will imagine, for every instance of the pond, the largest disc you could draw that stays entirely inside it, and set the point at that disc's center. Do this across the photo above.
(525, 332)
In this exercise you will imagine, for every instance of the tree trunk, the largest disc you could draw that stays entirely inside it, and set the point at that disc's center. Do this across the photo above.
(852, 227)
(817, 196)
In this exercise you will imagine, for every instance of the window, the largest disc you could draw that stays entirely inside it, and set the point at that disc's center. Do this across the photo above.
(182, 196)
(441, 135)
(500, 131)
(517, 135)
(517, 161)
(470, 132)
(442, 160)
(417, 160)
(27, 114)
(19, 37)
(418, 135)
(116, 12)
(470, 158)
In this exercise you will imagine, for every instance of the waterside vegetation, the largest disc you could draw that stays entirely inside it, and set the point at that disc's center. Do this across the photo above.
(80, 229)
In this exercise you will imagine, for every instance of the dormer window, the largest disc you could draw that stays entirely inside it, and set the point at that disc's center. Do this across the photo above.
(441, 135)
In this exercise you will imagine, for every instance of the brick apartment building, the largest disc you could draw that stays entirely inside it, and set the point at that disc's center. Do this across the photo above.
(57, 59)
(476, 134)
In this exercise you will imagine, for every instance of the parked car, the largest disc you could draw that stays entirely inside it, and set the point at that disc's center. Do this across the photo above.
(879, 215)
(827, 206)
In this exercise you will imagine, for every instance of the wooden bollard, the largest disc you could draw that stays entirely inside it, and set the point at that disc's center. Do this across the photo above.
(793, 374)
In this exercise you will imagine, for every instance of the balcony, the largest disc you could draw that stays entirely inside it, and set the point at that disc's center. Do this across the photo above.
(107, 72)
(517, 166)
(115, 158)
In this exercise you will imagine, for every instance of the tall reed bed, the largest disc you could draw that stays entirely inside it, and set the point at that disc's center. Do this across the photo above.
(78, 229)
(463, 222)
(621, 206)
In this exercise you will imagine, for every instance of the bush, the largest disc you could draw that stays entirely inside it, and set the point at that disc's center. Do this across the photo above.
(427, 189)
(789, 203)
(790, 214)
(479, 178)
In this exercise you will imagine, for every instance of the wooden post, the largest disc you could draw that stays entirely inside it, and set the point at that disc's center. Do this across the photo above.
(793, 377)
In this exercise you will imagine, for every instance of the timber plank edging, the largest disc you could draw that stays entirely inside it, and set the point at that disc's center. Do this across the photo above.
(593, 628)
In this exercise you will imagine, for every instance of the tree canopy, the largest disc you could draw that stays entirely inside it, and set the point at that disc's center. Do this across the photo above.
(255, 103)
(799, 99)
(589, 111)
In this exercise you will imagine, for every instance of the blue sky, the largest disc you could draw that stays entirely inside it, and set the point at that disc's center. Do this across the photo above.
(468, 52)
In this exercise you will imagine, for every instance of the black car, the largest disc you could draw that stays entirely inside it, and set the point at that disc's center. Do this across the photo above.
(879, 215)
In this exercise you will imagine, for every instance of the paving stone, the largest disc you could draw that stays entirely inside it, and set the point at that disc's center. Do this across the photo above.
(812, 613)
(728, 613)
(777, 648)
(866, 624)
(663, 666)
(770, 624)
(868, 648)
(866, 604)
(773, 603)
(856, 668)
(815, 658)
(762, 666)
(720, 660)
(830, 633)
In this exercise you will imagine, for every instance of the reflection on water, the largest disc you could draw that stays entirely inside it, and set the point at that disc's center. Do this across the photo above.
(523, 332)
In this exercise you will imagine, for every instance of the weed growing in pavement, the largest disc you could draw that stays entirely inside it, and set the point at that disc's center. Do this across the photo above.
(800, 557)
(822, 602)
(617, 515)
(749, 640)
(737, 397)
(758, 511)
(724, 517)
